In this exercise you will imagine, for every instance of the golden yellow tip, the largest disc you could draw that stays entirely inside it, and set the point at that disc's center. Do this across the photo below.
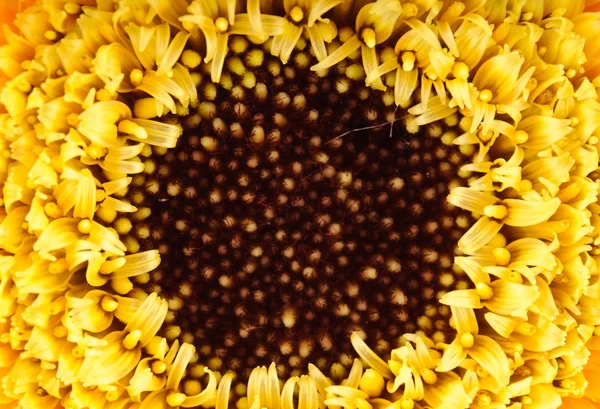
(175, 399)
(520, 136)
(296, 14)
(429, 376)
(485, 291)
(222, 25)
(498, 212)
(369, 37)
(158, 367)
(136, 76)
(109, 304)
(372, 383)
(460, 70)
(502, 256)
(72, 8)
(84, 226)
(408, 60)
(466, 340)
(486, 95)
(131, 340)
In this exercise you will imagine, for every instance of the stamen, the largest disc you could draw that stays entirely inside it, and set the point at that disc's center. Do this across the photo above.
(222, 25)
(296, 14)
(369, 37)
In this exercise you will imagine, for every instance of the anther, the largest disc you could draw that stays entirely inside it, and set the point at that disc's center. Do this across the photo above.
(222, 25)
(485, 291)
(109, 304)
(520, 137)
(486, 95)
(158, 367)
(131, 340)
(175, 399)
(72, 8)
(501, 255)
(467, 340)
(84, 226)
(408, 60)
(51, 35)
(296, 14)
(136, 76)
(429, 377)
(525, 328)
(498, 212)
(369, 37)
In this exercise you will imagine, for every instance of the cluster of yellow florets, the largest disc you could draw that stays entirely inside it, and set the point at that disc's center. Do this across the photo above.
(95, 83)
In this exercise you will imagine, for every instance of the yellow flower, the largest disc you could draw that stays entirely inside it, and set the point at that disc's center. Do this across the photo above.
(367, 204)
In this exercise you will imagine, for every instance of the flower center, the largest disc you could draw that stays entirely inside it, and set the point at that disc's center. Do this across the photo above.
(295, 210)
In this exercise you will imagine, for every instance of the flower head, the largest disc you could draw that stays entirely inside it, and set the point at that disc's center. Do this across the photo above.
(306, 203)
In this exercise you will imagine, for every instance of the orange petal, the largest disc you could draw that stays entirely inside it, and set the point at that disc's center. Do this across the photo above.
(8, 11)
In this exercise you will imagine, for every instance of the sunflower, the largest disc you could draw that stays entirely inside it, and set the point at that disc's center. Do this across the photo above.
(360, 204)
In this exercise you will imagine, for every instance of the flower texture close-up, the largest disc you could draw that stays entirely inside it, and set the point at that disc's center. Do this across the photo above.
(300, 204)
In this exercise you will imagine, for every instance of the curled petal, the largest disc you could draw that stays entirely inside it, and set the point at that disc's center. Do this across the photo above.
(462, 298)
(453, 356)
(207, 394)
(523, 213)
(490, 355)
(340, 54)
(479, 235)
(115, 360)
(471, 200)
(510, 298)
(369, 356)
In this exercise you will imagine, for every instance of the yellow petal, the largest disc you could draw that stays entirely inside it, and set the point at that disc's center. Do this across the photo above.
(547, 337)
(447, 385)
(340, 54)
(430, 111)
(222, 400)
(370, 357)
(206, 395)
(159, 134)
(473, 269)
(287, 393)
(319, 8)
(487, 353)
(184, 355)
(173, 52)
(218, 60)
(543, 131)
(156, 400)
(545, 396)
(138, 264)
(465, 320)
(453, 356)
(523, 213)
(462, 298)
(115, 360)
(510, 298)
(308, 396)
(370, 63)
